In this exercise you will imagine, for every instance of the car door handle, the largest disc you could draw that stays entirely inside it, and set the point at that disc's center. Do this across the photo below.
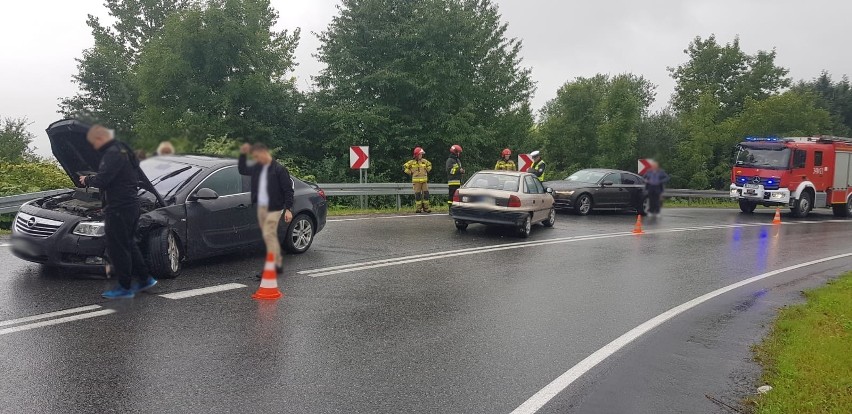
(242, 206)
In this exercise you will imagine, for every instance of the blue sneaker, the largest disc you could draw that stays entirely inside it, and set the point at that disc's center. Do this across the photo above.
(119, 293)
(148, 284)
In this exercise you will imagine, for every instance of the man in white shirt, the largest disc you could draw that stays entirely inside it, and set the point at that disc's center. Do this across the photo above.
(272, 191)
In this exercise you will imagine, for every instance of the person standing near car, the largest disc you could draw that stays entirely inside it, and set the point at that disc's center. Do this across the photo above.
(655, 180)
(505, 163)
(418, 168)
(118, 181)
(454, 171)
(538, 165)
(272, 190)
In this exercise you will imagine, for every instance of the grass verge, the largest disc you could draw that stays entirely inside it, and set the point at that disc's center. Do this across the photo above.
(337, 211)
(807, 357)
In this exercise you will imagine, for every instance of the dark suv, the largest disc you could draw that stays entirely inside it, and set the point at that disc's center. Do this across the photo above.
(201, 208)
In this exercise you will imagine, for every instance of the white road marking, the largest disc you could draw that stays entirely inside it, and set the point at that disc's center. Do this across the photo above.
(51, 322)
(5, 245)
(352, 267)
(49, 315)
(202, 291)
(541, 398)
(389, 217)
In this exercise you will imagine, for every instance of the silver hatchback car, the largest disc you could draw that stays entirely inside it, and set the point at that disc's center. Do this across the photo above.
(503, 198)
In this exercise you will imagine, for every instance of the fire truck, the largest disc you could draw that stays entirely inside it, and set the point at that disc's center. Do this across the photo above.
(799, 173)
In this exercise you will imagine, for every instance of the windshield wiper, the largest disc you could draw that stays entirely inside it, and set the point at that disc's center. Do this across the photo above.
(171, 174)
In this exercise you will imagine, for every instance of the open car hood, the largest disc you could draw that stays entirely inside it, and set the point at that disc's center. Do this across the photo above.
(77, 157)
(69, 146)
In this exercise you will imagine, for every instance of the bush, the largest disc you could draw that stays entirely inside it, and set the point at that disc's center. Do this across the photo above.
(29, 177)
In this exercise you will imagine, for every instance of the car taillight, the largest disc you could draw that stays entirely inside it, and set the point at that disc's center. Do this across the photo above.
(322, 194)
(514, 201)
(456, 197)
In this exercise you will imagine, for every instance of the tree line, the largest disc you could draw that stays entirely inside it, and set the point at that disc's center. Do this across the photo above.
(207, 74)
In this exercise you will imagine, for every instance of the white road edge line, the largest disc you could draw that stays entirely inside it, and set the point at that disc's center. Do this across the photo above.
(49, 315)
(353, 267)
(5, 245)
(202, 291)
(513, 245)
(541, 398)
(56, 321)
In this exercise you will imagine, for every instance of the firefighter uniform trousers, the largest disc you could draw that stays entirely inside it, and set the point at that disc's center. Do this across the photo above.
(419, 172)
(454, 176)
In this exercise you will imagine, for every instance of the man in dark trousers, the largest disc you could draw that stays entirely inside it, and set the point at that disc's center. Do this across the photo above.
(118, 181)
(655, 180)
(272, 191)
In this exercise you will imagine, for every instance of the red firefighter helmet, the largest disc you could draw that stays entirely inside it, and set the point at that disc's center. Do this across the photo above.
(506, 152)
(418, 151)
(456, 149)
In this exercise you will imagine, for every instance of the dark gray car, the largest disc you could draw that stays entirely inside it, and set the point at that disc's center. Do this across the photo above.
(599, 188)
(201, 208)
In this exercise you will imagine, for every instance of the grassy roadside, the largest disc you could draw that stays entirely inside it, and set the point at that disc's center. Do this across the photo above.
(807, 357)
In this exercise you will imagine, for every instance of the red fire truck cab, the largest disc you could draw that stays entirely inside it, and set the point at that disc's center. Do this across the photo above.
(802, 173)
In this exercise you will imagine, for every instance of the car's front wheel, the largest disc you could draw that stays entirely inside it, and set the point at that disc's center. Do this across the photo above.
(164, 255)
(583, 205)
(551, 218)
(747, 207)
(300, 234)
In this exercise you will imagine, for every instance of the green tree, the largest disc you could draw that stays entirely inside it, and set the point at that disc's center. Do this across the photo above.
(219, 69)
(660, 134)
(431, 73)
(15, 140)
(705, 158)
(726, 73)
(106, 72)
(833, 96)
(595, 122)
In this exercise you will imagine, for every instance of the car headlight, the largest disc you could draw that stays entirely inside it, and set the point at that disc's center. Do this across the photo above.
(777, 195)
(565, 193)
(90, 228)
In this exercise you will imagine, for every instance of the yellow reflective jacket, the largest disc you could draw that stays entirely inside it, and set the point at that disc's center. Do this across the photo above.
(503, 165)
(418, 170)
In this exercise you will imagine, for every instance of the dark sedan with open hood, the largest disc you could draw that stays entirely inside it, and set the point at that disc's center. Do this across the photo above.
(193, 207)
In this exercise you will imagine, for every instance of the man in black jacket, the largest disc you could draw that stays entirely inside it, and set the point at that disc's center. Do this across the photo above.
(117, 179)
(272, 190)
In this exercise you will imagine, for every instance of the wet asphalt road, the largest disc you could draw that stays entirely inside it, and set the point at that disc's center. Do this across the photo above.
(441, 329)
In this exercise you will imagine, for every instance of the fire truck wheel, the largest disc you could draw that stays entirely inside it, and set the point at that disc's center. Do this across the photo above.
(843, 210)
(803, 205)
(747, 206)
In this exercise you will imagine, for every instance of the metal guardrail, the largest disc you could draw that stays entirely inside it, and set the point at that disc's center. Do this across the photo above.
(11, 204)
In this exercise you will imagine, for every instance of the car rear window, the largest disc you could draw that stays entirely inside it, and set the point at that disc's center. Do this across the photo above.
(500, 182)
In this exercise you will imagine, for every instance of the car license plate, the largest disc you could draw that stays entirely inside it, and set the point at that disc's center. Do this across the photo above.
(484, 200)
(755, 186)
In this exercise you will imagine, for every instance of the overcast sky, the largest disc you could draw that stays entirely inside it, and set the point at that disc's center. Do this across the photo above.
(562, 40)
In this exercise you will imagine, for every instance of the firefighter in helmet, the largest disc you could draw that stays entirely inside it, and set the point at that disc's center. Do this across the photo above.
(505, 162)
(418, 168)
(538, 165)
(454, 171)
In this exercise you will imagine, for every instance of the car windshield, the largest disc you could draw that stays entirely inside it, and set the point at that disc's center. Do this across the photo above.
(166, 176)
(764, 157)
(500, 182)
(586, 176)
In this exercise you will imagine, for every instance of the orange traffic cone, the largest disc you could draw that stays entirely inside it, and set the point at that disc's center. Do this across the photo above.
(637, 229)
(269, 282)
(777, 219)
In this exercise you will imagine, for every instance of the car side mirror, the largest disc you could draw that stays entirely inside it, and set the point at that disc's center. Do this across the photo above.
(549, 190)
(606, 183)
(204, 194)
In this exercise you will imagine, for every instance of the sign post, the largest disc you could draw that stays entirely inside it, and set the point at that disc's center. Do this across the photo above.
(359, 158)
(524, 162)
(644, 166)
